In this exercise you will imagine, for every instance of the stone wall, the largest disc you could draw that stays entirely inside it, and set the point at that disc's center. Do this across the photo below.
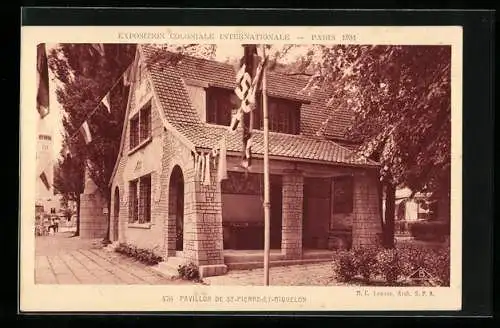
(291, 241)
(366, 226)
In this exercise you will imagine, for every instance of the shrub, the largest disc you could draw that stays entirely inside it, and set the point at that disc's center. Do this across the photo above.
(429, 230)
(366, 260)
(393, 264)
(389, 264)
(189, 272)
(146, 256)
(346, 267)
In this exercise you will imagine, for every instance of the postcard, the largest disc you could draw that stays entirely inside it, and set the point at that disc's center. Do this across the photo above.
(256, 168)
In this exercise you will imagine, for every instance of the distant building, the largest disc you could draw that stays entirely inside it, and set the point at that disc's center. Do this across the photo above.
(44, 193)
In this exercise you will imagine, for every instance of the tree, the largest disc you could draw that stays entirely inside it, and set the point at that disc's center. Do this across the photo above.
(87, 72)
(400, 98)
(69, 182)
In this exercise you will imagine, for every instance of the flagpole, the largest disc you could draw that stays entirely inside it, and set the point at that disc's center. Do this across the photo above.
(266, 174)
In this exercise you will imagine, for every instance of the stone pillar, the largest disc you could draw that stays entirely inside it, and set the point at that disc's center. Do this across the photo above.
(203, 227)
(293, 194)
(367, 225)
(93, 222)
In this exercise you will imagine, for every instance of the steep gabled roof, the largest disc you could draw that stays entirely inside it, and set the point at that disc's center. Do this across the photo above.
(169, 85)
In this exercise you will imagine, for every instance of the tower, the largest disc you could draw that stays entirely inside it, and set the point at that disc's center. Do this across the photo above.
(44, 163)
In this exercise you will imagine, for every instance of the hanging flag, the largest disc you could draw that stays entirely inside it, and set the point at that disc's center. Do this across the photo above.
(85, 131)
(99, 47)
(248, 61)
(236, 119)
(248, 152)
(42, 97)
(206, 178)
(222, 169)
(201, 169)
(45, 181)
(105, 102)
(196, 164)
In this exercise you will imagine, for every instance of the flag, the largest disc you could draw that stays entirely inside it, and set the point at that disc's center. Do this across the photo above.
(105, 102)
(206, 178)
(222, 169)
(127, 76)
(248, 152)
(45, 181)
(248, 61)
(42, 97)
(236, 119)
(196, 164)
(99, 47)
(85, 131)
(201, 169)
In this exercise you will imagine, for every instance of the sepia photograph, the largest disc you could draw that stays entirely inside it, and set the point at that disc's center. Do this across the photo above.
(254, 162)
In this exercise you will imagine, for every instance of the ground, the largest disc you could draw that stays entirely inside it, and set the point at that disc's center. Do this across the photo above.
(319, 274)
(63, 259)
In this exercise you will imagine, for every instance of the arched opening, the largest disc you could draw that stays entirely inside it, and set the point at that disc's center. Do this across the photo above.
(116, 214)
(176, 205)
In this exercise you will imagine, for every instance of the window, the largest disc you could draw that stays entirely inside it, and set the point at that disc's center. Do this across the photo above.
(140, 126)
(145, 122)
(343, 195)
(284, 116)
(133, 202)
(134, 132)
(219, 106)
(140, 200)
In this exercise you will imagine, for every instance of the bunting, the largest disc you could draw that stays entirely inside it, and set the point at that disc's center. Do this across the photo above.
(85, 131)
(42, 97)
(105, 102)
(206, 177)
(222, 169)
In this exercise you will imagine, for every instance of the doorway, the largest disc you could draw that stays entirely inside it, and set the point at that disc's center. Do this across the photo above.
(176, 205)
(276, 195)
(116, 214)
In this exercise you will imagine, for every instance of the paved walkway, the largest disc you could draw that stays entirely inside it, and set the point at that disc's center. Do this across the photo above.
(318, 274)
(62, 259)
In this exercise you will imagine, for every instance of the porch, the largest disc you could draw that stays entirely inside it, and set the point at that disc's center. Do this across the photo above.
(253, 259)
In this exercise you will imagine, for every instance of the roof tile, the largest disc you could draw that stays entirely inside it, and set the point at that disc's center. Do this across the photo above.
(169, 85)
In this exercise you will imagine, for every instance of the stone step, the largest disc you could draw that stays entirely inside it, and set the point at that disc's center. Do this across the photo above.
(167, 270)
(259, 264)
(241, 258)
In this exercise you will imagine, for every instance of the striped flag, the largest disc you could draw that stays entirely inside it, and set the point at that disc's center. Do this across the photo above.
(105, 102)
(42, 97)
(85, 131)
(45, 181)
(248, 62)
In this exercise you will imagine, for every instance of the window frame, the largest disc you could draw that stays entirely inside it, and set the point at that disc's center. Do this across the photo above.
(140, 200)
(139, 123)
(214, 113)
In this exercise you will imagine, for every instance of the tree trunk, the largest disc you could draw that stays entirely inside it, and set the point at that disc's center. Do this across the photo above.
(77, 233)
(390, 206)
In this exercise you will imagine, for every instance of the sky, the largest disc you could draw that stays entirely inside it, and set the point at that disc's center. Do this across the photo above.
(53, 121)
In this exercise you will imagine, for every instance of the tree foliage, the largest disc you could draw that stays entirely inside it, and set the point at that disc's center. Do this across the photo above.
(400, 98)
(86, 75)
